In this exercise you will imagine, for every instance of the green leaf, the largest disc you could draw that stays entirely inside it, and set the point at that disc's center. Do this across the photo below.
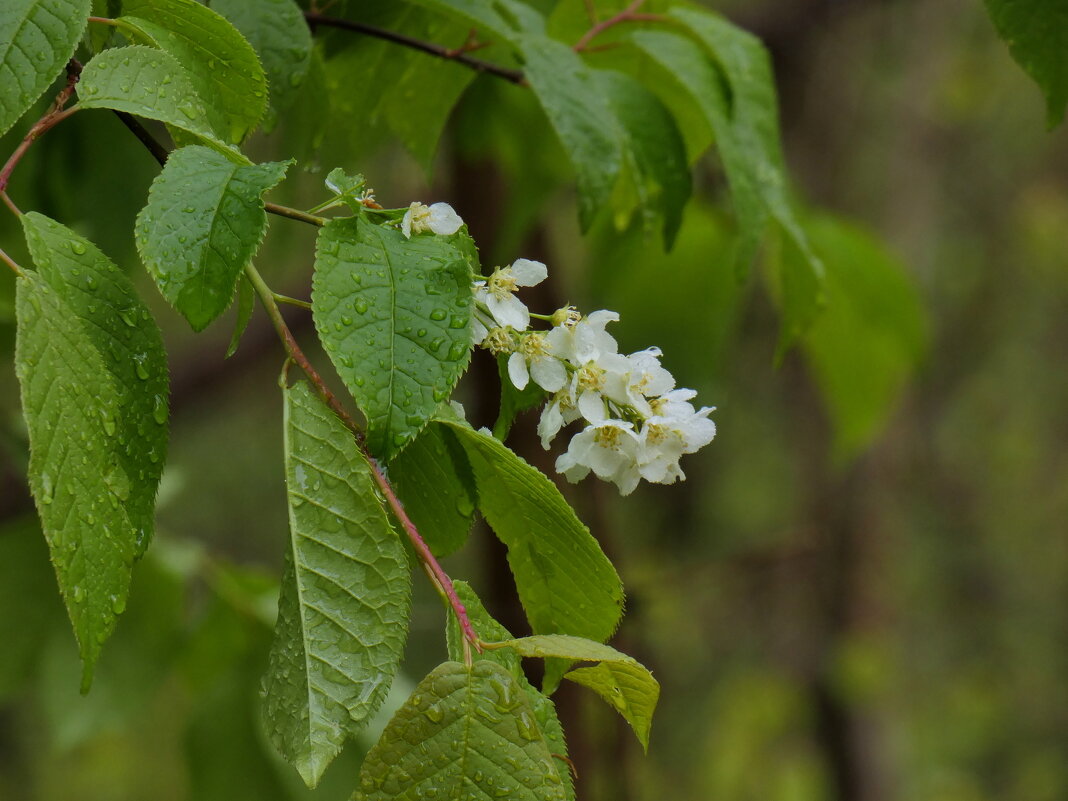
(343, 611)
(466, 732)
(489, 630)
(871, 336)
(621, 680)
(655, 181)
(393, 314)
(277, 32)
(149, 83)
(1036, 32)
(503, 18)
(203, 223)
(628, 688)
(565, 582)
(223, 67)
(37, 38)
(94, 392)
(736, 92)
(573, 99)
(434, 483)
(246, 304)
(415, 103)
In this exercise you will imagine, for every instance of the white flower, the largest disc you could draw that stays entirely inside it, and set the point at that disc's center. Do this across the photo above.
(497, 293)
(438, 219)
(533, 359)
(559, 412)
(585, 340)
(665, 438)
(610, 449)
(633, 379)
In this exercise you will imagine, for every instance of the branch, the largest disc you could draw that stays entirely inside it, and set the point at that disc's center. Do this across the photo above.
(628, 14)
(10, 262)
(430, 563)
(459, 56)
(160, 153)
(55, 115)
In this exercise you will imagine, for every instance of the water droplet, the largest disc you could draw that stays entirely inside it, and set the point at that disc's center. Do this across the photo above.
(109, 424)
(139, 366)
(464, 506)
(78, 247)
(434, 714)
(458, 321)
(457, 351)
(438, 314)
(435, 344)
(346, 320)
(526, 727)
(90, 283)
(78, 594)
(129, 316)
(358, 381)
(159, 409)
(421, 333)
(47, 488)
(118, 604)
(399, 439)
(360, 306)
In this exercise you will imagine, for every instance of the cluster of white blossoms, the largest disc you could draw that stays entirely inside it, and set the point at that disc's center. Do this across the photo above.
(637, 424)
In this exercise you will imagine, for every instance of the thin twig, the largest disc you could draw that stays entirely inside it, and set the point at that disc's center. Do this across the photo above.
(55, 114)
(628, 14)
(160, 153)
(10, 262)
(294, 352)
(459, 56)
(10, 204)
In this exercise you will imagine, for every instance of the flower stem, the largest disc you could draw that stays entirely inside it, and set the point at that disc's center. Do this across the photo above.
(10, 262)
(430, 563)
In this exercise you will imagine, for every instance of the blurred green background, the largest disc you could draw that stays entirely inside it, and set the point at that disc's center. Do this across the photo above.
(861, 591)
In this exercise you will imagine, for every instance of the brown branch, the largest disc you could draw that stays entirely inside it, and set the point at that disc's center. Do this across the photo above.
(628, 14)
(426, 556)
(458, 55)
(55, 115)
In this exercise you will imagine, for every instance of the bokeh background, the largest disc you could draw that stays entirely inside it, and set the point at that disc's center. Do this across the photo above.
(861, 591)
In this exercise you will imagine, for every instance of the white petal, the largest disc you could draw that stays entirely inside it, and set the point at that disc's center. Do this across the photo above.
(517, 370)
(443, 220)
(406, 224)
(509, 310)
(478, 331)
(527, 272)
(550, 424)
(548, 373)
(626, 479)
(591, 405)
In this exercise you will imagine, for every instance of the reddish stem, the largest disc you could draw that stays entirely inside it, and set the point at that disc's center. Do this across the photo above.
(10, 262)
(628, 14)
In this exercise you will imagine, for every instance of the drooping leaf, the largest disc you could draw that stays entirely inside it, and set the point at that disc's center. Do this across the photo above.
(869, 338)
(203, 223)
(345, 597)
(655, 180)
(573, 100)
(149, 83)
(729, 77)
(435, 485)
(246, 304)
(565, 582)
(489, 630)
(621, 680)
(94, 392)
(1036, 32)
(466, 732)
(277, 32)
(124, 333)
(393, 315)
(628, 688)
(37, 37)
(415, 103)
(221, 64)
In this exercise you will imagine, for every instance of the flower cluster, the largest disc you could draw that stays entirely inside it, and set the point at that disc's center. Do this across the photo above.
(637, 424)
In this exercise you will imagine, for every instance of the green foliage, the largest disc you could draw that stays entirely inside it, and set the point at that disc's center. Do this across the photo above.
(221, 65)
(1036, 32)
(433, 480)
(94, 389)
(203, 223)
(871, 336)
(565, 582)
(37, 37)
(393, 315)
(282, 41)
(468, 730)
(149, 83)
(343, 611)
